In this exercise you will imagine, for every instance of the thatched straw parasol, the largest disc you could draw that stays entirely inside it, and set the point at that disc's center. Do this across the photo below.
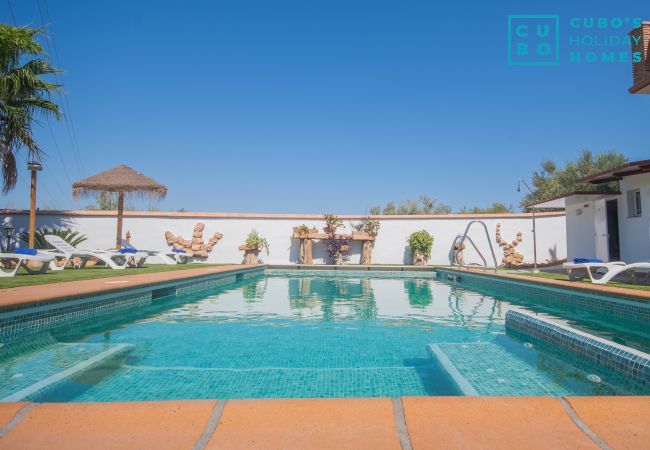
(123, 180)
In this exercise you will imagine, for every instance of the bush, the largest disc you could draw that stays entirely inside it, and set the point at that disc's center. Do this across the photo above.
(421, 240)
(73, 238)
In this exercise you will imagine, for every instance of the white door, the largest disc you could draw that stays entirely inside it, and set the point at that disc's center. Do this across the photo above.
(600, 227)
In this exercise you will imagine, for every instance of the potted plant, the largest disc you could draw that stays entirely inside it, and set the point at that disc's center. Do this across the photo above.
(303, 231)
(252, 246)
(332, 223)
(420, 244)
(368, 227)
(335, 247)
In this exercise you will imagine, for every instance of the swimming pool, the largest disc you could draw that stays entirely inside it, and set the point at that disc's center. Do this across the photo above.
(296, 334)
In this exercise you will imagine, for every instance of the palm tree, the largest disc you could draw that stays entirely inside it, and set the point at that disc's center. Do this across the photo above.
(24, 97)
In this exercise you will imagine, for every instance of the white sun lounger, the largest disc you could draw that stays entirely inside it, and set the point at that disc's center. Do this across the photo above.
(640, 266)
(114, 260)
(590, 269)
(169, 258)
(21, 261)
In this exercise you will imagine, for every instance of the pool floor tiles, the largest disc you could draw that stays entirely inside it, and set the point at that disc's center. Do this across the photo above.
(145, 383)
(486, 368)
(490, 369)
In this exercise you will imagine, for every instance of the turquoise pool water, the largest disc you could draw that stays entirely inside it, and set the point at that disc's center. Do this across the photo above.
(287, 334)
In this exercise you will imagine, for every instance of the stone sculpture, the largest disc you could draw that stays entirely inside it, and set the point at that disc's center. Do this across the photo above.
(511, 257)
(197, 246)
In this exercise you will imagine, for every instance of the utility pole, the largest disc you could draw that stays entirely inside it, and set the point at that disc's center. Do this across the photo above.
(34, 167)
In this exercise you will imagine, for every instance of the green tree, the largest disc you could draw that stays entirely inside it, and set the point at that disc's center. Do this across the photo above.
(423, 205)
(495, 208)
(554, 181)
(106, 201)
(25, 96)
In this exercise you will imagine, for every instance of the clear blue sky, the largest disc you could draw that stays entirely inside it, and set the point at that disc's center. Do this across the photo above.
(323, 106)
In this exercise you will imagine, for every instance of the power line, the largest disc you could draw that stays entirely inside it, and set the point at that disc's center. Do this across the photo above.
(61, 98)
(58, 151)
(49, 125)
(65, 99)
(11, 11)
(42, 185)
(65, 106)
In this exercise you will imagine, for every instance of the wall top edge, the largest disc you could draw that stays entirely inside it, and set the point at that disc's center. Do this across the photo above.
(226, 215)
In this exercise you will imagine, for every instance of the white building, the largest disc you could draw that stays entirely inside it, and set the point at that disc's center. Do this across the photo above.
(611, 226)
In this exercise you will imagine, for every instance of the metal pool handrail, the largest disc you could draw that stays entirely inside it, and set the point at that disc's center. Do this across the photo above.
(457, 252)
(462, 240)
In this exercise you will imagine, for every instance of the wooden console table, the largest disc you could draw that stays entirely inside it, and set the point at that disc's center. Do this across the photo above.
(306, 243)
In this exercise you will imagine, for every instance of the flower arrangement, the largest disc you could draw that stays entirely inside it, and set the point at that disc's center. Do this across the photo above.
(368, 225)
(335, 246)
(302, 230)
(332, 223)
(255, 241)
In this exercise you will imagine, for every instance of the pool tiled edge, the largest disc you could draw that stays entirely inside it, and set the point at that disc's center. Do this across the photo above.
(25, 319)
(630, 362)
(587, 288)
(29, 296)
(620, 305)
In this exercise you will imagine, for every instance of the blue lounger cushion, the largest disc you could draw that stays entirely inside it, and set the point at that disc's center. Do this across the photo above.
(127, 250)
(126, 244)
(586, 260)
(26, 251)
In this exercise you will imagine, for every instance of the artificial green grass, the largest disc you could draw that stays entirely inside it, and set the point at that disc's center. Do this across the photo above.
(564, 277)
(22, 278)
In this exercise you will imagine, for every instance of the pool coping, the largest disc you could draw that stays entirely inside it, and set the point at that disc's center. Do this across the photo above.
(398, 423)
(573, 285)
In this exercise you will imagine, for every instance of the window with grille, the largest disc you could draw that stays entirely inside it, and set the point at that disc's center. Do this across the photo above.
(634, 203)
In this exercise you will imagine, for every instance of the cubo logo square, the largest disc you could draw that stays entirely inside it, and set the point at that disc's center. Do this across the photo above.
(533, 40)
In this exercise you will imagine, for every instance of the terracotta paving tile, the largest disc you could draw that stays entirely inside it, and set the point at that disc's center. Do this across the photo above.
(47, 292)
(491, 422)
(306, 423)
(9, 410)
(71, 426)
(622, 422)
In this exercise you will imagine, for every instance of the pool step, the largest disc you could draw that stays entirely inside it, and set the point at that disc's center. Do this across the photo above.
(485, 368)
(28, 374)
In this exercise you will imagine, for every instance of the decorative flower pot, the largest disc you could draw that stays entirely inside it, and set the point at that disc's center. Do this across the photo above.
(363, 236)
(419, 258)
(329, 230)
(251, 255)
(338, 259)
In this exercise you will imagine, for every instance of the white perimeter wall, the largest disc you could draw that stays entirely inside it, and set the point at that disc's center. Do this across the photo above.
(147, 232)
